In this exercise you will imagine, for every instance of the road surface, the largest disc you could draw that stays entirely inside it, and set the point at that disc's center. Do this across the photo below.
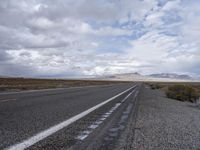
(61, 118)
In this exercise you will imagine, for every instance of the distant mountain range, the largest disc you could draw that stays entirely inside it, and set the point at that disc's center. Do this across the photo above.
(171, 76)
(152, 77)
(139, 77)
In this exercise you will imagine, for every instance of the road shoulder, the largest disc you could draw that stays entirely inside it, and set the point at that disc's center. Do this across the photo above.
(163, 123)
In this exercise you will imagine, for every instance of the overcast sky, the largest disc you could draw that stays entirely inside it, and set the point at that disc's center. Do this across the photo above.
(62, 38)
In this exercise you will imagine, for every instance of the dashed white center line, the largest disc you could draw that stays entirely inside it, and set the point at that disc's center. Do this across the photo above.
(46, 133)
(97, 123)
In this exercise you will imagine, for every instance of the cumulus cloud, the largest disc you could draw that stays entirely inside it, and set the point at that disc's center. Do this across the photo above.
(87, 37)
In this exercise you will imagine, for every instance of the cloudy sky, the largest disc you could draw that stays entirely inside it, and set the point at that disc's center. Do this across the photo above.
(65, 38)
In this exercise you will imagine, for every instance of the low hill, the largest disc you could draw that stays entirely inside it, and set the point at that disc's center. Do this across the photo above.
(153, 77)
(172, 76)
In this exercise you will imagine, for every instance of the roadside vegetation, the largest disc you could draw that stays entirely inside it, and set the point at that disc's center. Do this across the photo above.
(182, 93)
(18, 84)
(155, 86)
(187, 91)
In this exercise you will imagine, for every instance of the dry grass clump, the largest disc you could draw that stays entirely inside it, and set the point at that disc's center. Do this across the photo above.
(182, 93)
(155, 86)
(31, 84)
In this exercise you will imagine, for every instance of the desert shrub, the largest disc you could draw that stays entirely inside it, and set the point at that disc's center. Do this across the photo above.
(155, 86)
(182, 93)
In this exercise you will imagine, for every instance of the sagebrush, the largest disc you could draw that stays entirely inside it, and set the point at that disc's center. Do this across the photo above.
(182, 93)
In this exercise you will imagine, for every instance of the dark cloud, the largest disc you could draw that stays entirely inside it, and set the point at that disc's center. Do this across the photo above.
(4, 56)
(9, 69)
(58, 38)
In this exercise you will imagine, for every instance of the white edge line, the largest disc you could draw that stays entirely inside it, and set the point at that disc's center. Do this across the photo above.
(42, 135)
(82, 136)
(127, 96)
(79, 137)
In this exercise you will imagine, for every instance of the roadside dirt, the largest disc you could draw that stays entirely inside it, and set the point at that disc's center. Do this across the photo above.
(20, 84)
(163, 123)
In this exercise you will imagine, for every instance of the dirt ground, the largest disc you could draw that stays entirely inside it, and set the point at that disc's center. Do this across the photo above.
(17, 84)
(163, 123)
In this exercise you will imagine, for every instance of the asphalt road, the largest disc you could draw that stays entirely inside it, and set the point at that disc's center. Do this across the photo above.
(24, 114)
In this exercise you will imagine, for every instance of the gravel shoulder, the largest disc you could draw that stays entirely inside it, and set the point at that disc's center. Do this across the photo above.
(163, 123)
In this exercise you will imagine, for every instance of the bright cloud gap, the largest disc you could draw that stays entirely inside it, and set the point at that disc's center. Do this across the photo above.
(91, 38)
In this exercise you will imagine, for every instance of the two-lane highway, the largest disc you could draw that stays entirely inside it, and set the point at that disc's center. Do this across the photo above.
(24, 114)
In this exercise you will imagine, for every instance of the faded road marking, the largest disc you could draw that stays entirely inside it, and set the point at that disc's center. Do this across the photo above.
(7, 100)
(96, 124)
(44, 134)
